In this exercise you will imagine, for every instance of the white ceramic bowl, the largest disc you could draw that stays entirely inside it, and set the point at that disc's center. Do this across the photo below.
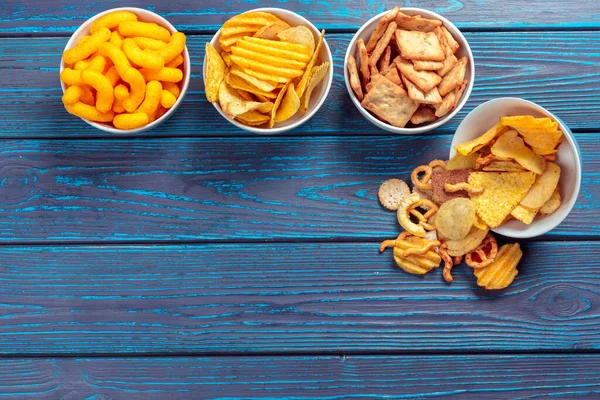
(318, 95)
(485, 116)
(464, 51)
(145, 16)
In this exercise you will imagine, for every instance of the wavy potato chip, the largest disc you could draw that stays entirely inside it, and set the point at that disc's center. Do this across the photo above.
(298, 35)
(267, 77)
(226, 58)
(215, 73)
(415, 264)
(457, 248)
(273, 48)
(270, 31)
(502, 192)
(298, 48)
(266, 58)
(543, 187)
(462, 162)
(248, 63)
(502, 271)
(455, 218)
(289, 105)
(243, 25)
(316, 76)
(476, 144)
(510, 146)
(552, 204)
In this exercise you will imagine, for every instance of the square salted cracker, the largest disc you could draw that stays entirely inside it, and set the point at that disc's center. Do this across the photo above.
(390, 102)
(425, 80)
(454, 78)
(416, 23)
(421, 65)
(431, 97)
(415, 45)
(422, 115)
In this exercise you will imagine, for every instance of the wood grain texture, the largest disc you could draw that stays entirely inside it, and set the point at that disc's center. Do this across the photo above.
(259, 188)
(457, 377)
(558, 70)
(64, 16)
(310, 298)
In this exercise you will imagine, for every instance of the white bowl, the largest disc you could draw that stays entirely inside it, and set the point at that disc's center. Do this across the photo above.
(318, 95)
(464, 51)
(485, 116)
(145, 16)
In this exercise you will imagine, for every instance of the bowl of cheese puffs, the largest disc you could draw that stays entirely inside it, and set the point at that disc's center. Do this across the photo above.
(409, 70)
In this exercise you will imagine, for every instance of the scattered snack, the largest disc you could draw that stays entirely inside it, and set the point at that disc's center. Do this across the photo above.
(266, 71)
(494, 178)
(125, 74)
(429, 79)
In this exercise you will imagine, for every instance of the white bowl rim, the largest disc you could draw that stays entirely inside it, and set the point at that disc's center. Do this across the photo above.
(281, 129)
(419, 129)
(184, 86)
(570, 138)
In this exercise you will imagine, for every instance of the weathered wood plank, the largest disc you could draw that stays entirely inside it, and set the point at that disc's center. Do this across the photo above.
(309, 297)
(64, 16)
(456, 377)
(558, 70)
(257, 188)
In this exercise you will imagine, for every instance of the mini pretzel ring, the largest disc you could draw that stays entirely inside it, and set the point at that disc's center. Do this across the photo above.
(425, 182)
(437, 163)
(486, 258)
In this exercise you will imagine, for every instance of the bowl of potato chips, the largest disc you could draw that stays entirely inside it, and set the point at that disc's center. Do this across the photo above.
(529, 166)
(125, 70)
(409, 70)
(267, 70)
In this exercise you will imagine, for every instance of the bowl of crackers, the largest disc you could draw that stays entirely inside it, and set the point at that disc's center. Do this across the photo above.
(528, 162)
(409, 70)
(268, 70)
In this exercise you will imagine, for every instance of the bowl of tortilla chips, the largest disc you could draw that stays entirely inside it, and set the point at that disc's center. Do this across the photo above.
(409, 70)
(526, 160)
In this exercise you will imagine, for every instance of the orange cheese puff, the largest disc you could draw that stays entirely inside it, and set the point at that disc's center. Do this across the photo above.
(165, 74)
(152, 100)
(143, 58)
(89, 112)
(176, 62)
(149, 43)
(84, 50)
(71, 77)
(130, 121)
(116, 39)
(72, 95)
(112, 20)
(145, 29)
(167, 100)
(121, 92)
(174, 48)
(104, 89)
(113, 75)
(171, 87)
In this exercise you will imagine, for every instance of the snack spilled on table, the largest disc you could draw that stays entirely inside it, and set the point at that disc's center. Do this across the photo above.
(507, 173)
(266, 71)
(408, 71)
(126, 72)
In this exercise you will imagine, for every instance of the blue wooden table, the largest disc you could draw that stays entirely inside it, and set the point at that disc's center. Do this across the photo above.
(198, 261)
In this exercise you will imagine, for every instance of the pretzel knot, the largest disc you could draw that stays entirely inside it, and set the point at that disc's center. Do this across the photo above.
(457, 187)
(437, 163)
(482, 161)
(448, 263)
(431, 207)
(486, 252)
(425, 182)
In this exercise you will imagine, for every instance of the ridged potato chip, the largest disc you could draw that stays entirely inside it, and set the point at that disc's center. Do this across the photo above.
(502, 192)
(215, 73)
(243, 25)
(476, 144)
(298, 35)
(273, 48)
(552, 204)
(502, 271)
(455, 218)
(289, 105)
(415, 264)
(510, 145)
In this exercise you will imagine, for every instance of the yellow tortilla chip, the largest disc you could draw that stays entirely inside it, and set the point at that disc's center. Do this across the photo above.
(462, 162)
(215, 73)
(503, 191)
(524, 214)
(476, 144)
